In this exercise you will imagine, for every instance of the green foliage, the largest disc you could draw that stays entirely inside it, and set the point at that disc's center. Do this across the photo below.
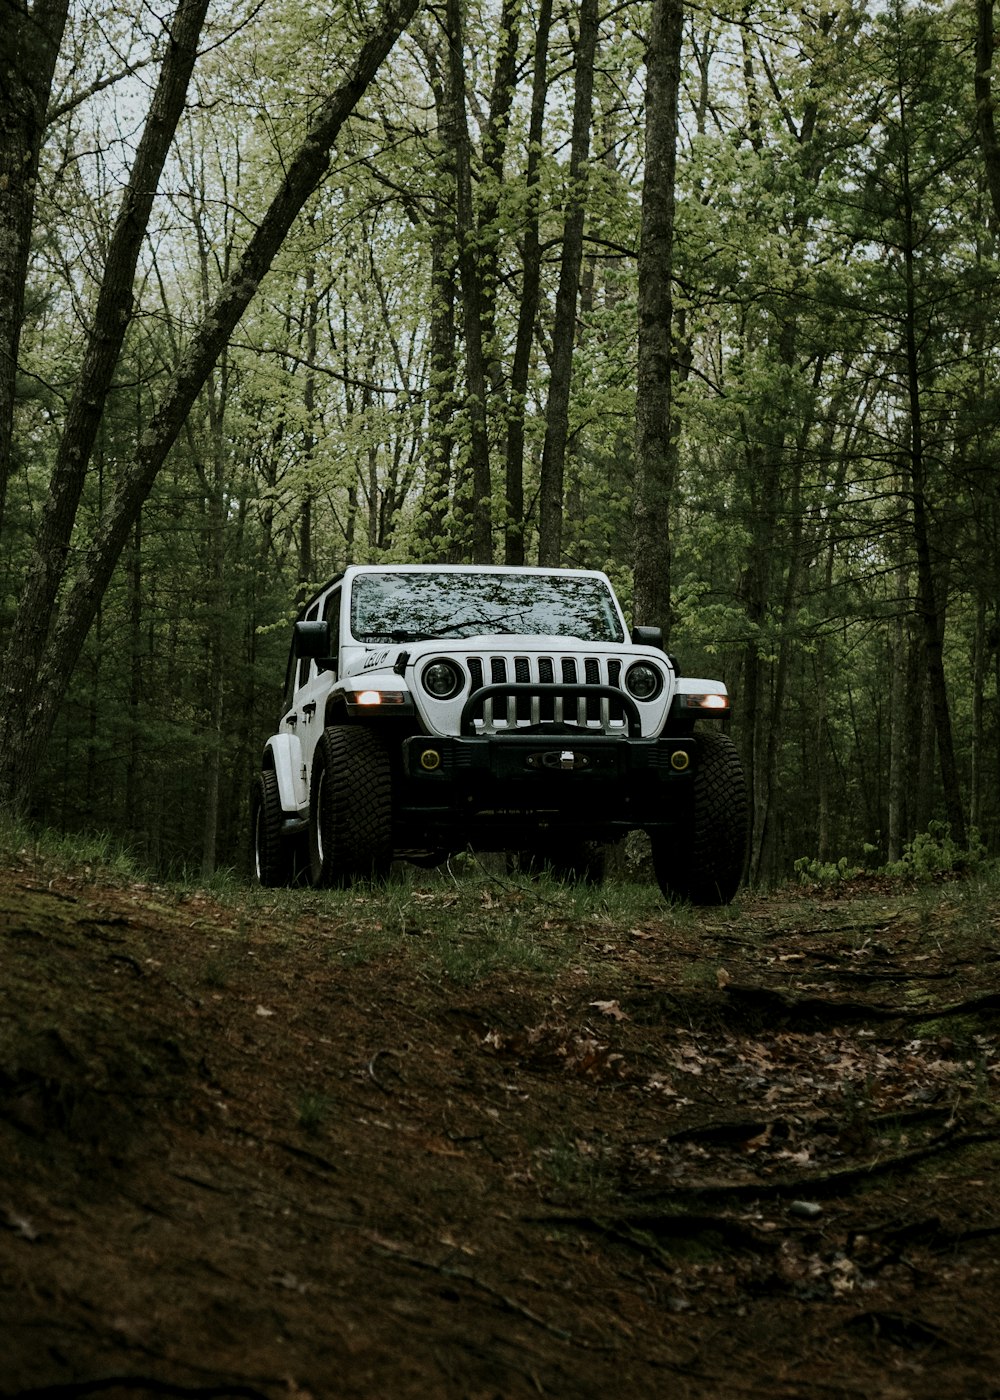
(826, 873)
(934, 852)
(330, 435)
(930, 855)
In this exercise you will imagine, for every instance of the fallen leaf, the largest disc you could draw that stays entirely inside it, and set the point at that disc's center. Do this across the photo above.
(20, 1224)
(610, 1008)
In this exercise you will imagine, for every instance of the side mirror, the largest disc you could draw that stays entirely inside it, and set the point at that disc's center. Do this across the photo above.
(311, 639)
(647, 637)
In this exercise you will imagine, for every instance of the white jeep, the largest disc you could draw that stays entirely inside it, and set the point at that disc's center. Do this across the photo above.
(431, 708)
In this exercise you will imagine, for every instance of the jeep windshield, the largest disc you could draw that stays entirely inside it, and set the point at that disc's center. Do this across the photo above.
(411, 607)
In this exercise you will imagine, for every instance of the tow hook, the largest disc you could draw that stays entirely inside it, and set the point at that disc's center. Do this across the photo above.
(564, 759)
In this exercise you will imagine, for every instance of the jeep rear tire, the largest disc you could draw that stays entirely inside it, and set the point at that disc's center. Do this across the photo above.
(706, 864)
(350, 808)
(273, 856)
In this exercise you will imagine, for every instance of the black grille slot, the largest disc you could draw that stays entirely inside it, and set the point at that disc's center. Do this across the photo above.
(545, 672)
(592, 670)
(498, 670)
(475, 672)
(569, 670)
(615, 673)
(522, 674)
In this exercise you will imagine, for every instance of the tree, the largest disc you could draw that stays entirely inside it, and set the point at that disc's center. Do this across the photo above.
(27, 64)
(475, 497)
(656, 433)
(32, 694)
(550, 493)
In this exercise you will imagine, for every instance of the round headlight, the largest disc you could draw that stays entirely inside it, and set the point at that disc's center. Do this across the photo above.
(442, 679)
(643, 682)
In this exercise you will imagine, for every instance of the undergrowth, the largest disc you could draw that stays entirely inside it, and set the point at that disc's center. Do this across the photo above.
(99, 857)
(931, 855)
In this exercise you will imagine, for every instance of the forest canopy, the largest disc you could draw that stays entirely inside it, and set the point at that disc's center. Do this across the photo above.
(703, 297)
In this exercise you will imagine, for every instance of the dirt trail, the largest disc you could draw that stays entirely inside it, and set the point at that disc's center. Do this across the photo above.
(306, 1150)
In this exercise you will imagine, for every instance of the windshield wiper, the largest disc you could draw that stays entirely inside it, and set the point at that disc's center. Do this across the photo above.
(392, 634)
(415, 634)
(484, 624)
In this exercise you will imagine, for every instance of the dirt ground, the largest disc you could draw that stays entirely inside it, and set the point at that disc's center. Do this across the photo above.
(480, 1139)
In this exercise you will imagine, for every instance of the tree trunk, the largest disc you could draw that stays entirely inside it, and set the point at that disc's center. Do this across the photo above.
(29, 715)
(112, 317)
(655, 438)
(111, 321)
(897, 723)
(564, 331)
(471, 289)
(28, 53)
(985, 122)
(527, 313)
(929, 609)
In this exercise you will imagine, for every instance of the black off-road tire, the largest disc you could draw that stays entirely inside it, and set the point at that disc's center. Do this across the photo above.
(272, 855)
(350, 808)
(706, 864)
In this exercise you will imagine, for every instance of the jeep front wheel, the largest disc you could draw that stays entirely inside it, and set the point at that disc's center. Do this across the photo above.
(705, 864)
(350, 808)
(273, 854)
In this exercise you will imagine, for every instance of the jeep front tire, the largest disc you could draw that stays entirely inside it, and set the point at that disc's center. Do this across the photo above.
(350, 808)
(706, 865)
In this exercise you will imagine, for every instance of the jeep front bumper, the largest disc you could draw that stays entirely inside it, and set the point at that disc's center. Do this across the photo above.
(592, 784)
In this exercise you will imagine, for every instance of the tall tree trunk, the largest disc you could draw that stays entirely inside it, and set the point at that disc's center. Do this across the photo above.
(491, 183)
(979, 659)
(472, 305)
(898, 728)
(550, 496)
(655, 438)
(28, 52)
(306, 560)
(985, 120)
(112, 317)
(435, 542)
(133, 809)
(27, 716)
(527, 312)
(930, 610)
(214, 486)
(111, 321)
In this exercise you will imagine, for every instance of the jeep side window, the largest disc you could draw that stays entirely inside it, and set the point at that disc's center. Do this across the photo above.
(304, 661)
(331, 615)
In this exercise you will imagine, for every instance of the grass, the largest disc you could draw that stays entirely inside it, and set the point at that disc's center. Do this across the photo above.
(469, 919)
(100, 858)
(575, 1170)
(312, 1111)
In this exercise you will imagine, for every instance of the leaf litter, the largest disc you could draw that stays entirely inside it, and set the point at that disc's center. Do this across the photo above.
(239, 1157)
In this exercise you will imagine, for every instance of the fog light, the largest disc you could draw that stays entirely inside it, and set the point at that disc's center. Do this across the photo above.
(429, 760)
(679, 760)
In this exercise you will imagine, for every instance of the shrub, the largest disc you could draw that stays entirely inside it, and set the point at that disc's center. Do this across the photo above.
(935, 852)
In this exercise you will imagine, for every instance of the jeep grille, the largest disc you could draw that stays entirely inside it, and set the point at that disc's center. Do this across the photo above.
(525, 710)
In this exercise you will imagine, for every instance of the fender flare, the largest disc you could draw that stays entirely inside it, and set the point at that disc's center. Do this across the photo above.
(283, 753)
